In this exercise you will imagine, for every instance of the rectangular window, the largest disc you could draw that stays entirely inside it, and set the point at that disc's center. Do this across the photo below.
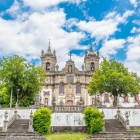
(78, 88)
(61, 88)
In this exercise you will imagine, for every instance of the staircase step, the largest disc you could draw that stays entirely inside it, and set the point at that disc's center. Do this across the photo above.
(21, 136)
(113, 125)
(19, 126)
(115, 136)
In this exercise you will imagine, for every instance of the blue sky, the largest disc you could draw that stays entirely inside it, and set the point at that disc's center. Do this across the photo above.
(113, 27)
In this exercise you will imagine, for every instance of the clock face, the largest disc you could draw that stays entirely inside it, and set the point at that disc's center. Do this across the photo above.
(70, 79)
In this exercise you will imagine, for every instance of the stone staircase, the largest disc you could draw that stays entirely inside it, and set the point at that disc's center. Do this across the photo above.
(113, 125)
(18, 130)
(114, 136)
(19, 126)
(114, 130)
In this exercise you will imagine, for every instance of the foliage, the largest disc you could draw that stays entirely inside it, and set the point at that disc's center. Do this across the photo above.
(16, 73)
(114, 78)
(67, 136)
(42, 121)
(4, 97)
(96, 125)
(93, 119)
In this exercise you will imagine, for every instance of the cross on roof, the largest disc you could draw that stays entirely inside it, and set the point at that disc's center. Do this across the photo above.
(70, 55)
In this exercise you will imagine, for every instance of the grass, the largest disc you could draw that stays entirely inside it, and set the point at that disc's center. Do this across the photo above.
(137, 130)
(67, 136)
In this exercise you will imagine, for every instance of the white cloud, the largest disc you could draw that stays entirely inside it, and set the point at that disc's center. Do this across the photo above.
(133, 54)
(134, 3)
(133, 66)
(41, 4)
(106, 27)
(137, 22)
(135, 30)
(110, 47)
(29, 37)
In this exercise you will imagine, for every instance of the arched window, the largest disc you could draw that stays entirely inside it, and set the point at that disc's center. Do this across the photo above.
(47, 66)
(61, 103)
(106, 98)
(125, 100)
(78, 88)
(93, 101)
(61, 88)
(46, 101)
(137, 99)
(78, 103)
(92, 66)
(70, 68)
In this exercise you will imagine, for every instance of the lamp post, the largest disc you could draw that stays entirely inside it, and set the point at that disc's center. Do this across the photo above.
(17, 94)
(117, 89)
(11, 97)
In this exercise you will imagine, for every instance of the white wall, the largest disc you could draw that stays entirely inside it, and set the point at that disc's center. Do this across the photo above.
(74, 119)
(67, 119)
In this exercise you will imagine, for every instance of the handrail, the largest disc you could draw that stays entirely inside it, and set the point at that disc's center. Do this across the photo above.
(11, 120)
(122, 119)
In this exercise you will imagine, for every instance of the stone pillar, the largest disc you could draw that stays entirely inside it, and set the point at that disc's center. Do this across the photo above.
(30, 129)
(53, 104)
(5, 122)
(118, 112)
(16, 112)
(103, 120)
(127, 121)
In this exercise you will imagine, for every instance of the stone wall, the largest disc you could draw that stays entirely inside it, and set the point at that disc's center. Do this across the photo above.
(75, 118)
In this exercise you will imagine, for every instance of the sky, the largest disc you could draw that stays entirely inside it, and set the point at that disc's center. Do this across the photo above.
(113, 27)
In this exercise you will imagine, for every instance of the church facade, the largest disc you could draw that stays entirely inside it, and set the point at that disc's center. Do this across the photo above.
(69, 85)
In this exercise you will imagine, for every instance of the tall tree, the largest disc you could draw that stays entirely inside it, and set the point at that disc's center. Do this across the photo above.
(114, 78)
(22, 78)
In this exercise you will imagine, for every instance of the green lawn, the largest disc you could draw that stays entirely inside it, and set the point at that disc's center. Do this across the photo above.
(67, 136)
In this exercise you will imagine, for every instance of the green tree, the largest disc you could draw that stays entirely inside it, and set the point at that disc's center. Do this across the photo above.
(4, 97)
(114, 78)
(16, 73)
(42, 120)
(93, 119)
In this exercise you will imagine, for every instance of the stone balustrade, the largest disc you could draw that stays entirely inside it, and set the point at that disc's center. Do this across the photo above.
(68, 109)
(123, 120)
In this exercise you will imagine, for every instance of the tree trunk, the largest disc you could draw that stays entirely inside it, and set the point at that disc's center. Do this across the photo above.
(115, 101)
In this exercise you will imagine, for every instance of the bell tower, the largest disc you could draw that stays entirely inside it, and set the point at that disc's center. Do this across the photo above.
(49, 59)
(91, 60)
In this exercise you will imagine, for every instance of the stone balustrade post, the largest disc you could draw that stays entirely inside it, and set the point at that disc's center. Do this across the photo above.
(5, 122)
(30, 129)
(16, 112)
(103, 115)
(127, 121)
(118, 111)
(53, 104)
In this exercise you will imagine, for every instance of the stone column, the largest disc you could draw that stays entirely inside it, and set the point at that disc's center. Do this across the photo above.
(16, 112)
(30, 129)
(53, 104)
(103, 120)
(118, 112)
(127, 121)
(5, 122)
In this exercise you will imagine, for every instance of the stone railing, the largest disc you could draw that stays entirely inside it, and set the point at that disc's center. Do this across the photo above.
(6, 122)
(68, 109)
(123, 120)
(30, 128)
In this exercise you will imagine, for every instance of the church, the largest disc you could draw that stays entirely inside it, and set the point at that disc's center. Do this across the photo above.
(70, 85)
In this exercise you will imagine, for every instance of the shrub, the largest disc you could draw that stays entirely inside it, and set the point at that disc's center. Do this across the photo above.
(96, 125)
(93, 119)
(42, 121)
